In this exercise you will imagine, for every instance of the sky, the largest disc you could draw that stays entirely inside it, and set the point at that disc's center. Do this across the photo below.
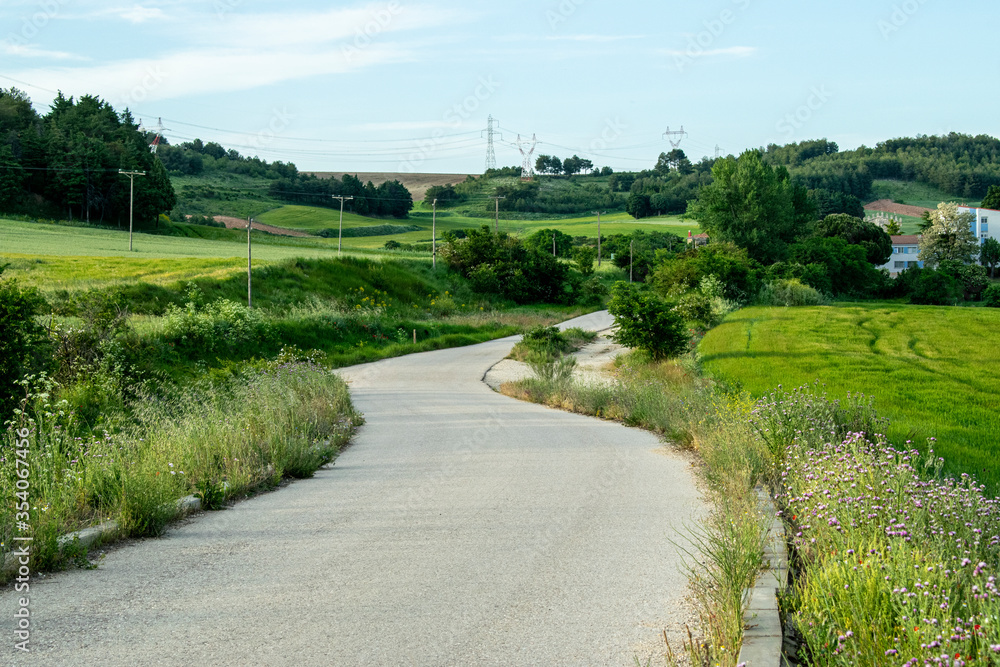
(409, 85)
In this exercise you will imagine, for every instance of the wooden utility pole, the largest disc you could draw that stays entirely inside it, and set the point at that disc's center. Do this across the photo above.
(249, 265)
(496, 220)
(631, 258)
(340, 234)
(131, 199)
(434, 248)
(554, 244)
(598, 238)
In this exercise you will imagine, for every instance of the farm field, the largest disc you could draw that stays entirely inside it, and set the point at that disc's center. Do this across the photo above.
(53, 256)
(931, 370)
(314, 219)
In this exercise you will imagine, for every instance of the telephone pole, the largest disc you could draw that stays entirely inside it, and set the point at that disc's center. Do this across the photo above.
(599, 237)
(554, 244)
(249, 265)
(340, 234)
(131, 199)
(631, 258)
(434, 248)
(496, 220)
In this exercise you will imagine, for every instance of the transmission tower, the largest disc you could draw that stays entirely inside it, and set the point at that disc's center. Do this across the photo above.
(491, 156)
(680, 134)
(157, 134)
(718, 151)
(527, 166)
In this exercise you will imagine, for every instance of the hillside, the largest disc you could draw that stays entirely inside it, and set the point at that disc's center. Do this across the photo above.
(417, 184)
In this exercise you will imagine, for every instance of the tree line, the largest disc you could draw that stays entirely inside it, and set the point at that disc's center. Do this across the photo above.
(67, 161)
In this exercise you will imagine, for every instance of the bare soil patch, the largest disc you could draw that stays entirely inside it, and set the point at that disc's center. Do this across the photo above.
(889, 206)
(239, 223)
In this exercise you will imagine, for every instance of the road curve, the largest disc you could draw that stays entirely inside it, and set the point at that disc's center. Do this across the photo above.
(461, 528)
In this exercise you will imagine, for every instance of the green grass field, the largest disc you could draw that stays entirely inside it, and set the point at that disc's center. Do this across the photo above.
(915, 194)
(932, 371)
(313, 219)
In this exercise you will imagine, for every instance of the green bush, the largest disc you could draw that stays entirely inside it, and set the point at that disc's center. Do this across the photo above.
(789, 292)
(935, 288)
(646, 322)
(24, 346)
(220, 325)
(584, 256)
(991, 297)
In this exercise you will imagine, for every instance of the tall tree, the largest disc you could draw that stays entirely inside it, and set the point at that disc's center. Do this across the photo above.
(992, 198)
(950, 237)
(989, 255)
(871, 237)
(750, 204)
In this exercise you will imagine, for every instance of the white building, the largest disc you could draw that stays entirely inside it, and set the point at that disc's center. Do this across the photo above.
(981, 226)
(904, 254)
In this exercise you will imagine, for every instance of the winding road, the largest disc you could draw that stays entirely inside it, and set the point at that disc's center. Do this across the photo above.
(461, 528)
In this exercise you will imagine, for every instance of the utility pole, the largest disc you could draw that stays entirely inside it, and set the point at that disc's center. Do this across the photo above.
(131, 199)
(496, 220)
(598, 238)
(340, 234)
(249, 265)
(554, 244)
(434, 248)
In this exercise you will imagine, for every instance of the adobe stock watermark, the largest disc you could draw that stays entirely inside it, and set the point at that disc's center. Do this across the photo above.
(701, 43)
(901, 15)
(22, 554)
(453, 118)
(819, 96)
(612, 132)
(562, 12)
(224, 7)
(150, 81)
(281, 120)
(364, 35)
(33, 24)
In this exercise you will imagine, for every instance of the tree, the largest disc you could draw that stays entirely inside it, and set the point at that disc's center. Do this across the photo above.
(950, 236)
(992, 198)
(893, 228)
(24, 345)
(542, 242)
(11, 176)
(646, 322)
(871, 237)
(584, 256)
(751, 204)
(989, 255)
(548, 164)
(739, 275)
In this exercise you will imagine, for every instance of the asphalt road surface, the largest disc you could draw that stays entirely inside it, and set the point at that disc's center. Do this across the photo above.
(461, 528)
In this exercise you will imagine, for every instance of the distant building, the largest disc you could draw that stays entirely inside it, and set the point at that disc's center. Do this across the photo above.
(981, 225)
(697, 239)
(905, 250)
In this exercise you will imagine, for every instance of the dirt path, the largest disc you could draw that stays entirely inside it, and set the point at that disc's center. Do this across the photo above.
(239, 223)
(889, 206)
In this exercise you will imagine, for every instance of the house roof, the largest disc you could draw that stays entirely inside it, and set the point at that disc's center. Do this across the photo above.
(905, 240)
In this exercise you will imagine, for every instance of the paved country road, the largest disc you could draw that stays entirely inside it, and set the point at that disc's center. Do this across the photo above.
(461, 528)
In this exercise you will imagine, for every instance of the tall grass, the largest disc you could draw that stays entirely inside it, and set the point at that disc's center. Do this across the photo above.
(273, 421)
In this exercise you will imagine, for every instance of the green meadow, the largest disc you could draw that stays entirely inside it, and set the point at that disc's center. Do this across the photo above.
(932, 371)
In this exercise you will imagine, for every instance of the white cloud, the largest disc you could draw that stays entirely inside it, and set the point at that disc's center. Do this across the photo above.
(567, 38)
(139, 14)
(32, 51)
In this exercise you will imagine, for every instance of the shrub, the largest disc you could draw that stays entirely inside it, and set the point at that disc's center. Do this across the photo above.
(971, 277)
(935, 288)
(739, 275)
(646, 322)
(789, 292)
(24, 346)
(584, 257)
(991, 297)
(220, 325)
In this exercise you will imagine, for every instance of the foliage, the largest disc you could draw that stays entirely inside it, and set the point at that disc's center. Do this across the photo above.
(219, 325)
(24, 345)
(639, 250)
(71, 158)
(893, 228)
(971, 277)
(992, 199)
(646, 322)
(950, 236)
(739, 275)
(837, 267)
(875, 241)
(753, 205)
(389, 199)
(989, 255)
(585, 256)
(500, 264)
(541, 241)
(789, 292)
(991, 297)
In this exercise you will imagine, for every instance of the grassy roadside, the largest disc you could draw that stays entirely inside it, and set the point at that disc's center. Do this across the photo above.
(895, 563)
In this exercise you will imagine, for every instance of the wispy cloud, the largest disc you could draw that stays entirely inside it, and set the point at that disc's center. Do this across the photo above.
(32, 51)
(139, 14)
(567, 38)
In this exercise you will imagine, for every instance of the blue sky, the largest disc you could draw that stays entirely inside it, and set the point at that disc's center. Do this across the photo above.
(407, 85)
